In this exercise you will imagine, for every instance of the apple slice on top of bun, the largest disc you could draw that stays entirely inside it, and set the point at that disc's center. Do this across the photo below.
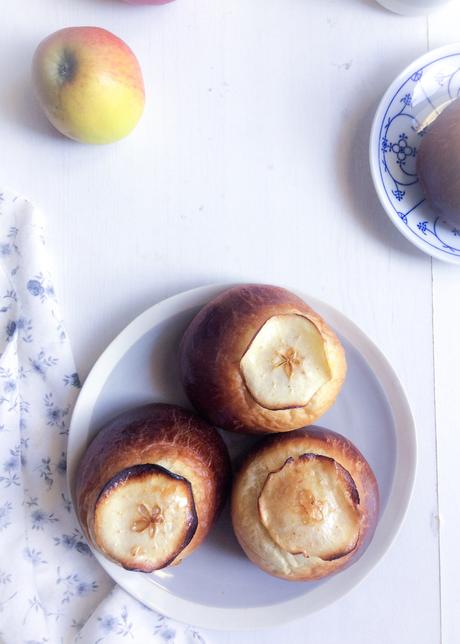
(305, 504)
(144, 517)
(258, 359)
(150, 486)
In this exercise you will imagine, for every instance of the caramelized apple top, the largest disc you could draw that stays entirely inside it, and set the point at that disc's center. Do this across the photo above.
(310, 506)
(304, 504)
(286, 363)
(144, 517)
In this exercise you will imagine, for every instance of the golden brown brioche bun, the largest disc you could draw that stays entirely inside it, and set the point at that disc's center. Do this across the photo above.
(304, 504)
(257, 359)
(150, 486)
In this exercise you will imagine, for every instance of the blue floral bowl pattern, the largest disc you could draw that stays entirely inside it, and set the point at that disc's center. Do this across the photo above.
(411, 103)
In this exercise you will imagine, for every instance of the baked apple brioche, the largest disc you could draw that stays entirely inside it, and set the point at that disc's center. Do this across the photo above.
(257, 359)
(304, 504)
(150, 486)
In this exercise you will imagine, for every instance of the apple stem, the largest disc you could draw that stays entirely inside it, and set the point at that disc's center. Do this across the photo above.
(67, 66)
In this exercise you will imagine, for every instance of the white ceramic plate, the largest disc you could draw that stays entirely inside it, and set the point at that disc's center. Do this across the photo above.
(217, 587)
(414, 99)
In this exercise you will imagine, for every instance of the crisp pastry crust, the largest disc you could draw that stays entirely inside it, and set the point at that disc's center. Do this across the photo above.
(213, 361)
(194, 472)
(304, 504)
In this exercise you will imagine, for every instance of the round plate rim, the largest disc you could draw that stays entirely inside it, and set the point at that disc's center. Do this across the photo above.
(415, 65)
(226, 619)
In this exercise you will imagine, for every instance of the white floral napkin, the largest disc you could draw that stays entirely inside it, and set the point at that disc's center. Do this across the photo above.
(51, 588)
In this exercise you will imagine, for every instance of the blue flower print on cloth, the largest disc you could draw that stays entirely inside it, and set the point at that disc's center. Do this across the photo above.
(51, 588)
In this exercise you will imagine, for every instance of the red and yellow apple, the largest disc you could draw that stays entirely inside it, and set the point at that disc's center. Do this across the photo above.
(147, 1)
(89, 84)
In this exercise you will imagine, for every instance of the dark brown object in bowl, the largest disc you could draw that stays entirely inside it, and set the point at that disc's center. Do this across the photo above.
(438, 164)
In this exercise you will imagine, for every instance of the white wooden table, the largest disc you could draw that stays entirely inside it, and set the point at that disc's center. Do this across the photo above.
(251, 164)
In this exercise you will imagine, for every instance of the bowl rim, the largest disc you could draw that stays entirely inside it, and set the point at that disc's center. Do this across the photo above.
(430, 57)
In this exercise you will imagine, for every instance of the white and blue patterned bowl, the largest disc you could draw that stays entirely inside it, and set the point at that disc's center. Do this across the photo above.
(411, 103)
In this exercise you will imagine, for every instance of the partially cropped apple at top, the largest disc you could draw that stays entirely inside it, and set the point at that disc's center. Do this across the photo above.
(147, 1)
(89, 84)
